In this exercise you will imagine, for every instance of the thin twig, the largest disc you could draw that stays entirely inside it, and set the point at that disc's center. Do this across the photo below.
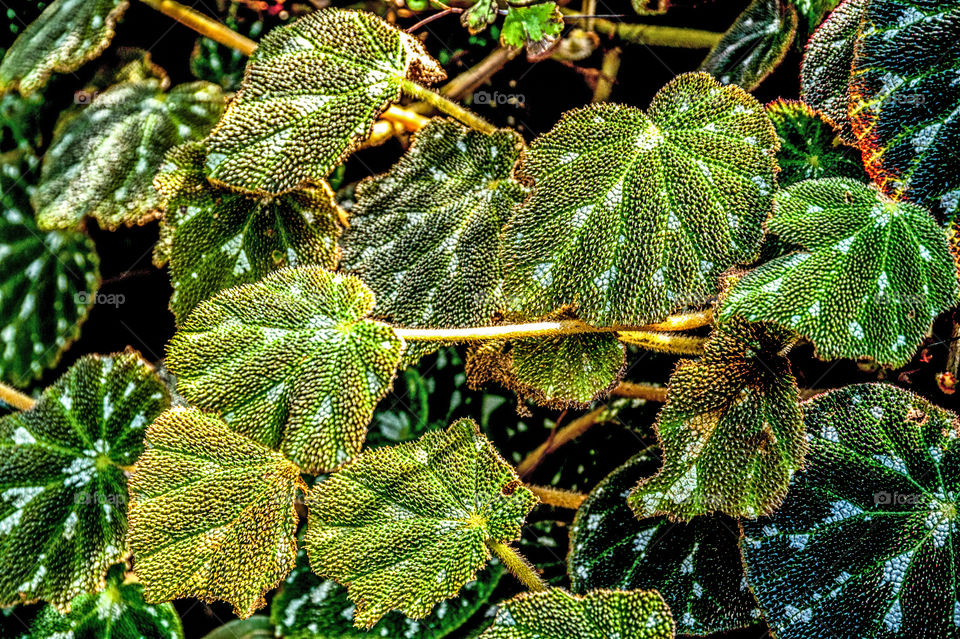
(635, 390)
(608, 75)
(15, 398)
(557, 497)
(569, 432)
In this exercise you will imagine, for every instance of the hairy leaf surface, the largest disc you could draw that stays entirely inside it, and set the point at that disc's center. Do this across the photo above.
(425, 237)
(102, 160)
(309, 607)
(634, 215)
(695, 566)
(118, 612)
(63, 491)
(311, 93)
(731, 430)
(807, 146)
(825, 73)
(556, 614)
(864, 543)
(211, 513)
(219, 238)
(67, 34)
(291, 362)
(904, 99)
(405, 527)
(755, 45)
(49, 282)
(874, 275)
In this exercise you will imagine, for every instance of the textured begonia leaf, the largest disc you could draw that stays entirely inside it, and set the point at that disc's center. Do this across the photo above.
(731, 430)
(21, 122)
(118, 612)
(66, 35)
(309, 607)
(291, 362)
(864, 545)
(537, 27)
(634, 216)
(63, 491)
(904, 98)
(755, 45)
(876, 275)
(219, 238)
(556, 614)
(405, 527)
(48, 284)
(102, 160)
(695, 566)
(825, 73)
(311, 93)
(211, 513)
(808, 147)
(425, 237)
(560, 372)
(812, 13)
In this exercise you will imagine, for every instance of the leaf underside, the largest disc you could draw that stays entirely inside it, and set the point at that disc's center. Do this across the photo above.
(406, 527)
(290, 362)
(310, 95)
(211, 513)
(864, 543)
(873, 274)
(633, 216)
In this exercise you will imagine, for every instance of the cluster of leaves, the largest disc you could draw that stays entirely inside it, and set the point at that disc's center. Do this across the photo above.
(294, 315)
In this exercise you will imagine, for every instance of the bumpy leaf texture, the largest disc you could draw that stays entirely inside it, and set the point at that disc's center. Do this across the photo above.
(825, 73)
(309, 607)
(873, 275)
(102, 160)
(808, 146)
(755, 45)
(904, 97)
(219, 238)
(556, 614)
(291, 362)
(405, 527)
(63, 491)
(311, 93)
(633, 215)
(864, 545)
(48, 282)
(695, 566)
(556, 371)
(731, 430)
(211, 513)
(118, 612)
(67, 34)
(425, 237)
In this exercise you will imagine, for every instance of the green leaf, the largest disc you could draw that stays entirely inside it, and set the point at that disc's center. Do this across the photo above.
(480, 15)
(695, 566)
(311, 93)
(754, 45)
(291, 362)
(864, 543)
(556, 371)
(309, 607)
(634, 216)
(903, 106)
(219, 238)
(405, 527)
(825, 73)
(556, 614)
(808, 146)
(730, 432)
(67, 34)
(875, 275)
(425, 237)
(214, 62)
(812, 13)
(102, 160)
(211, 513)
(118, 612)
(49, 282)
(63, 491)
(537, 27)
(21, 122)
